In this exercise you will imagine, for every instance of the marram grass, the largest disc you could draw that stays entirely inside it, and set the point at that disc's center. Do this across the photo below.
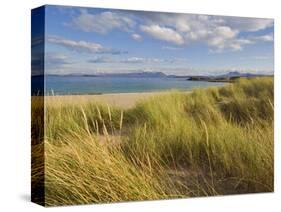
(213, 141)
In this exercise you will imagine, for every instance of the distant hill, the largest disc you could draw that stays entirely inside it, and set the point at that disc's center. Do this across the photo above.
(143, 74)
(135, 74)
(239, 74)
(228, 77)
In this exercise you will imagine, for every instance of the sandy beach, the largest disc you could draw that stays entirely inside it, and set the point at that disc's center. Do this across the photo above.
(122, 100)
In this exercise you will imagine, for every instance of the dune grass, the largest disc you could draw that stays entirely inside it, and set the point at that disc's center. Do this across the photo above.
(213, 141)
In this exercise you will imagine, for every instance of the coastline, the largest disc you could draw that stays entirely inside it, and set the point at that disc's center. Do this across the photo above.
(122, 100)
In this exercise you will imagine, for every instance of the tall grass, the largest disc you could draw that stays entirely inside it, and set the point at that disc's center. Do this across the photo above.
(212, 141)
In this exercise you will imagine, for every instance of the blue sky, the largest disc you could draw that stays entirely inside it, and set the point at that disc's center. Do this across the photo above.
(89, 41)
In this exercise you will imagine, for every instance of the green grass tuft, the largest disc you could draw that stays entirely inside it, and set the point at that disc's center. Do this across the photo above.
(211, 141)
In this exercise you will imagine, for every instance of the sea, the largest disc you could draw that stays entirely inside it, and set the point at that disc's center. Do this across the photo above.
(77, 85)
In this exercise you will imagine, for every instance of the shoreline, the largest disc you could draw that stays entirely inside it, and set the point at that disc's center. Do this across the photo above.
(121, 100)
(116, 93)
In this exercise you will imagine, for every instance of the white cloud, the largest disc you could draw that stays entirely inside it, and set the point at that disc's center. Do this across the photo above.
(125, 60)
(248, 24)
(219, 44)
(223, 37)
(262, 57)
(163, 33)
(214, 31)
(57, 62)
(226, 32)
(101, 60)
(218, 32)
(171, 48)
(55, 58)
(102, 22)
(136, 37)
(265, 38)
(141, 60)
(81, 46)
(134, 60)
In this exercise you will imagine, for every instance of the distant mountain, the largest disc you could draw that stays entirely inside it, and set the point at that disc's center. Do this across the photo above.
(228, 77)
(239, 74)
(177, 76)
(144, 74)
(135, 74)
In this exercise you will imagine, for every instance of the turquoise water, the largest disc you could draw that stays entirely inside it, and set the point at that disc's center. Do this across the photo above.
(63, 85)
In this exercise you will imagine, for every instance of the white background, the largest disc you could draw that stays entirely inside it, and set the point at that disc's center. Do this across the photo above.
(15, 103)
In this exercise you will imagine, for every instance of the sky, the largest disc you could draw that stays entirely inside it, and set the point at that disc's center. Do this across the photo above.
(91, 40)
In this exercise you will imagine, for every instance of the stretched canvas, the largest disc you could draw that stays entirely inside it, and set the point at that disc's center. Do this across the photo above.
(137, 105)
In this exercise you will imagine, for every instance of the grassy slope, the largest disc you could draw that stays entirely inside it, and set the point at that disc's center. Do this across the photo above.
(210, 142)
